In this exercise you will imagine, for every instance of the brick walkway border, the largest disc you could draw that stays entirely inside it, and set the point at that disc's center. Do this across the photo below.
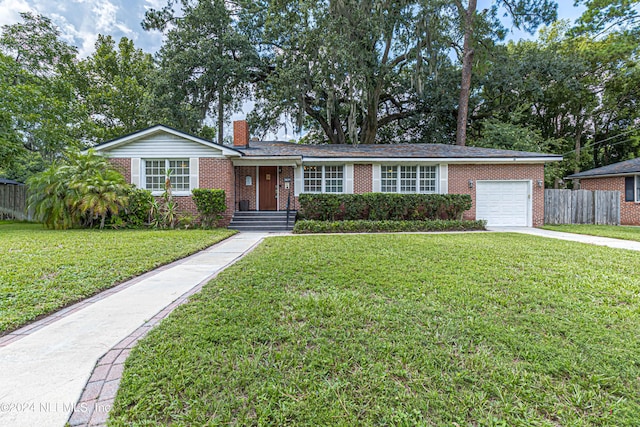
(98, 395)
(96, 400)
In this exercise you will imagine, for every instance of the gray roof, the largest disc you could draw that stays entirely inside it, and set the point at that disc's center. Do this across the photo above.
(278, 148)
(627, 167)
(9, 181)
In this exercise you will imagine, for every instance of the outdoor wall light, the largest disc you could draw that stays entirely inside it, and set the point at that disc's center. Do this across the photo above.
(539, 183)
(470, 183)
(248, 180)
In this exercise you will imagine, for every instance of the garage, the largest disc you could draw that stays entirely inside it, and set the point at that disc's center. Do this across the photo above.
(504, 203)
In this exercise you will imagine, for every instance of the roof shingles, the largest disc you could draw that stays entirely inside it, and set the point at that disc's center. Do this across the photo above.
(278, 148)
(627, 167)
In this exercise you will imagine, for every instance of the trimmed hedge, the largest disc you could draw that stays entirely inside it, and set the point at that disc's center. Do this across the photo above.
(365, 226)
(383, 206)
(211, 203)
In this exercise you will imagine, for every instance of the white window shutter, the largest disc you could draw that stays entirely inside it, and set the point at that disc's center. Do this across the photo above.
(194, 173)
(443, 175)
(299, 184)
(348, 177)
(376, 178)
(135, 172)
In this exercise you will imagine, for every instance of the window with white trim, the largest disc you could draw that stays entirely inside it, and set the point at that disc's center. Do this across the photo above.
(155, 172)
(323, 179)
(408, 179)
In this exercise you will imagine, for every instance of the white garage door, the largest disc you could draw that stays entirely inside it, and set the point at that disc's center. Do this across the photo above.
(503, 203)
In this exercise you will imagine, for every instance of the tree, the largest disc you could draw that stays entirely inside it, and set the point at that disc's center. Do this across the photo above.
(348, 70)
(528, 14)
(115, 82)
(205, 62)
(604, 16)
(39, 101)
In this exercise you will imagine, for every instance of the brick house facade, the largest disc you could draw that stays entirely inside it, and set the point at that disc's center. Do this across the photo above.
(262, 175)
(629, 211)
(623, 177)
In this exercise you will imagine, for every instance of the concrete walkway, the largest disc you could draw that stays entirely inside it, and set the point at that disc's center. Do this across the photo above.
(43, 372)
(582, 238)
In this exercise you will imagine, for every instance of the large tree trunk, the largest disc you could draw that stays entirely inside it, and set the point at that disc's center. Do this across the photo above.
(220, 117)
(370, 125)
(467, 65)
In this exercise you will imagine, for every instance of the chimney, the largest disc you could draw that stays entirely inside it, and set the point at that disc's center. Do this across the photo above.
(240, 133)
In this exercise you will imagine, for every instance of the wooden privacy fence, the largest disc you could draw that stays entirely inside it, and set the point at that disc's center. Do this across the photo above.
(13, 202)
(581, 207)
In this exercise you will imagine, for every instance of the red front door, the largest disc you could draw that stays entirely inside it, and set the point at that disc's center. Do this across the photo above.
(268, 183)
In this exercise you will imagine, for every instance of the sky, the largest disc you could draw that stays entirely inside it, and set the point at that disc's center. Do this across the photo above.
(80, 22)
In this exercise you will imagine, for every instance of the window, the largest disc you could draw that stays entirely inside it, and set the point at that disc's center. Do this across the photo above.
(407, 179)
(324, 179)
(333, 176)
(408, 175)
(628, 189)
(389, 179)
(637, 188)
(313, 179)
(155, 172)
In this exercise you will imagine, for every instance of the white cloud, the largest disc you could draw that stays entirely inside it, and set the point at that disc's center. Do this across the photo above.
(154, 4)
(10, 11)
(106, 17)
(82, 38)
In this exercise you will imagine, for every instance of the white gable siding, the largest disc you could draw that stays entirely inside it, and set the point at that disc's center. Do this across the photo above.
(163, 146)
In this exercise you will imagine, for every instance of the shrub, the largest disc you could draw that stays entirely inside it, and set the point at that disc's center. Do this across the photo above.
(136, 213)
(211, 203)
(383, 206)
(367, 226)
(77, 192)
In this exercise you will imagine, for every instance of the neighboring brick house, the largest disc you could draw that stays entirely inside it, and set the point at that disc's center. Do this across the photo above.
(507, 187)
(623, 177)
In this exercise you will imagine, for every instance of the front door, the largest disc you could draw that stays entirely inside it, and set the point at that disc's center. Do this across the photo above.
(268, 188)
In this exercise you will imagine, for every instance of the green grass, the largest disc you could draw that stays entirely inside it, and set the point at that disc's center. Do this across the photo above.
(45, 270)
(614, 231)
(470, 330)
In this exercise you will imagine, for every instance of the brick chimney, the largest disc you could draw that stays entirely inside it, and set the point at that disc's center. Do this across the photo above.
(240, 133)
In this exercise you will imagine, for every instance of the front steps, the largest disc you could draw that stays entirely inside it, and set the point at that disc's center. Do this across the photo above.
(262, 221)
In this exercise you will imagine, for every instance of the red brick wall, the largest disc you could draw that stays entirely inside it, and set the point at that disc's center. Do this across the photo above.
(459, 176)
(287, 172)
(362, 179)
(122, 165)
(219, 173)
(247, 192)
(629, 211)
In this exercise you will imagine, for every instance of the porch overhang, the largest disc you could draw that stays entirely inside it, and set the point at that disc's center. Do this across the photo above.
(293, 161)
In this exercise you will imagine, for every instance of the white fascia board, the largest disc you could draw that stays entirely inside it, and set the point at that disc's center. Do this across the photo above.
(269, 161)
(430, 160)
(229, 152)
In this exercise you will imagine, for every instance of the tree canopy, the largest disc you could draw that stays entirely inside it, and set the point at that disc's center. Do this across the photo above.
(344, 71)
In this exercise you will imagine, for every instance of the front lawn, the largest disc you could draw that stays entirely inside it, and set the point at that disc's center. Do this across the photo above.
(613, 231)
(44, 270)
(470, 330)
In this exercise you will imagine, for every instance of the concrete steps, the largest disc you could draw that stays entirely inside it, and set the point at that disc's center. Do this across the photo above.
(262, 221)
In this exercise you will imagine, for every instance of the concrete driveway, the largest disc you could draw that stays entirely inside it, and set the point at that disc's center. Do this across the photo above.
(582, 238)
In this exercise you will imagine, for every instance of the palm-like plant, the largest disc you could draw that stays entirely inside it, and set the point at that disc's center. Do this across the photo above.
(100, 195)
(49, 198)
(78, 192)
